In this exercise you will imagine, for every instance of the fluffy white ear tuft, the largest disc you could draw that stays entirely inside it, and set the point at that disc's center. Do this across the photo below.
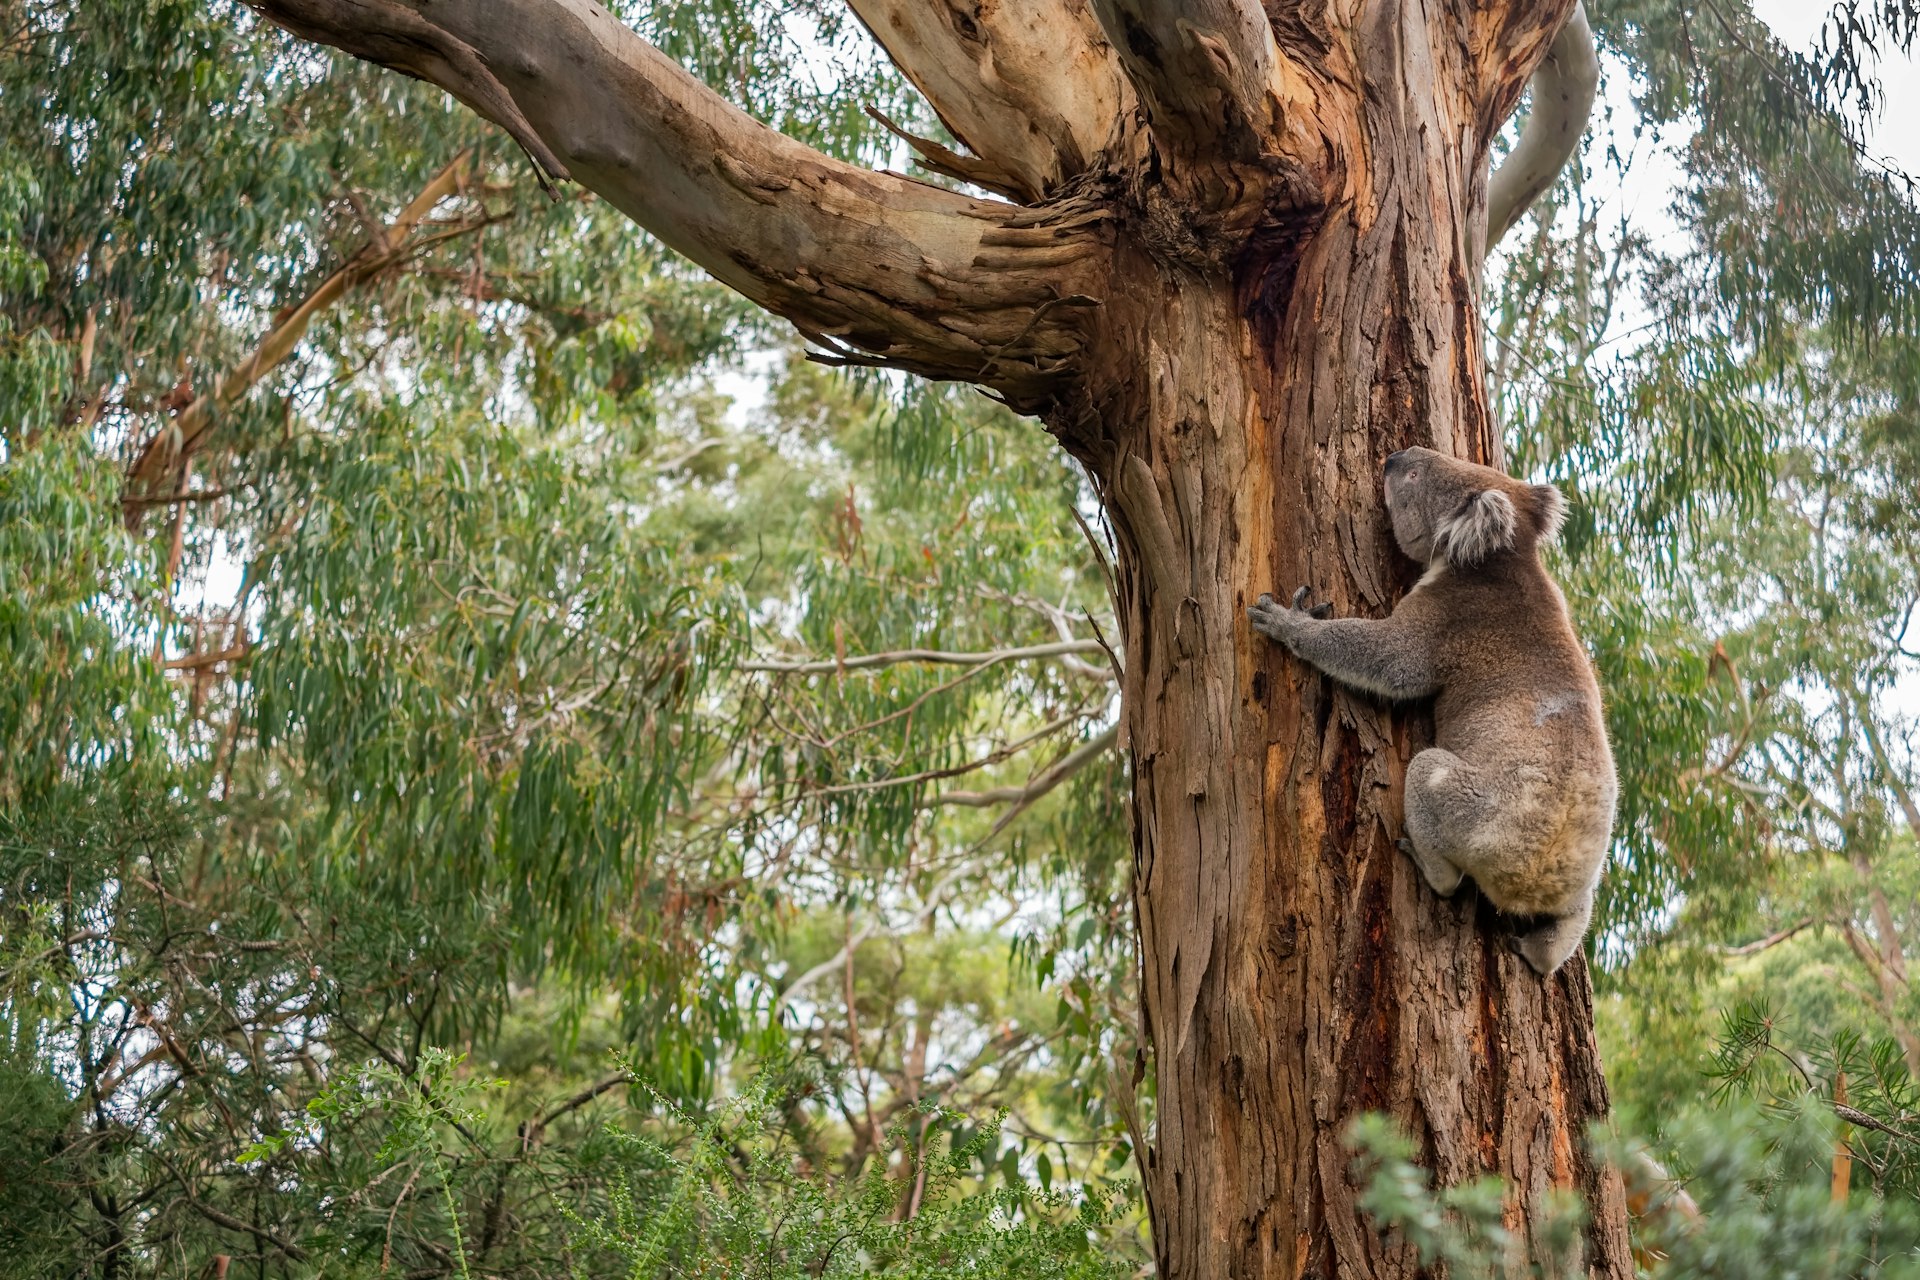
(1481, 527)
(1550, 508)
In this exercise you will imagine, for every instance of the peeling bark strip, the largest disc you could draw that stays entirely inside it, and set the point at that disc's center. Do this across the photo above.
(1247, 272)
(1030, 83)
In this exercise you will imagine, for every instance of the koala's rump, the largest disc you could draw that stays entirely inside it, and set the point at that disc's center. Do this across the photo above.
(1547, 792)
(1543, 850)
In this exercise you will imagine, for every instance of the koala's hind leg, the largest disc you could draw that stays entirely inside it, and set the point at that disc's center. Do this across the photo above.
(1548, 947)
(1444, 809)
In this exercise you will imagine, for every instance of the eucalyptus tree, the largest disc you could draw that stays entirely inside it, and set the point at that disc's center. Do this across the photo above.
(1233, 263)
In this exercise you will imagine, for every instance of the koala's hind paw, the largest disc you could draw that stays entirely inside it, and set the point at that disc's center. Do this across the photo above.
(1441, 876)
(1548, 947)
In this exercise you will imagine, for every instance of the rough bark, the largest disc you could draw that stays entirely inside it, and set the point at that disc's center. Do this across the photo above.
(1032, 88)
(1279, 251)
(1204, 68)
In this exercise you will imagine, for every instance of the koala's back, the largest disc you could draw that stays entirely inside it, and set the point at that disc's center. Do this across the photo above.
(1518, 701)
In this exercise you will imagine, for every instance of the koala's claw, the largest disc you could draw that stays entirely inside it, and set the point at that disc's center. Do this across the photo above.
(1280, 621)
(1311, 610)
(1404, 845)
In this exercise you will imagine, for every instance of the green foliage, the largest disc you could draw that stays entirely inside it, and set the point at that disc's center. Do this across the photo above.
(734, 1198)
(1766, 1207)
(1460, 1227)
(1755, 1203)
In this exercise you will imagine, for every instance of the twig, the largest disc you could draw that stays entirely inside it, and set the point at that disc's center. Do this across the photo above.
(227, 1220)
(936, 656)
(531, 1131)
(996, 756)
(1771, 940)
(1038, 785)
(1854, 1116)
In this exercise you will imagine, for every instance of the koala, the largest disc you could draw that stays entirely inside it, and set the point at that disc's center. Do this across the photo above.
(1519, 789)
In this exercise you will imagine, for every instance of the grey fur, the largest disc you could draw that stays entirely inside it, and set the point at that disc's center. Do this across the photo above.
(1519, 789)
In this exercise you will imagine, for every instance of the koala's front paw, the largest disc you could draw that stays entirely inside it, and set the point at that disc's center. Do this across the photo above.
(1283, 621)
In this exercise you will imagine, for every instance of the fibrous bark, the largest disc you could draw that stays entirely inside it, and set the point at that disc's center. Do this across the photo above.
(1230, 302)
(1032, 88)
(1204, 68)
(1297, 971)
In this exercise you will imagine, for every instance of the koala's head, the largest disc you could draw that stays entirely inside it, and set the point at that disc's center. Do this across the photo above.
(1444, 508)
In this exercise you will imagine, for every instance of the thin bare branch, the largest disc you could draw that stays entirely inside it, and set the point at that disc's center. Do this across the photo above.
(1040, 783)
(997, 756)
(227, 1220)
(201, 661)
(533, 1130)
(936, 897)
(184, 433)
(1896, 779)
(1773, 939)
(1855, 1116)
(867, 662)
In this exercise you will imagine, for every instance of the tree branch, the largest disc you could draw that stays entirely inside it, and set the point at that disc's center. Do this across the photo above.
(1564, 86)
(227, 1220)
(1771, 940)
(940, 656)
(533, 1130)
(912, 275)
(201, 661)
(935, 898)
(184, 433)
(1203, 68)
(1032, 88)
(1037, 786)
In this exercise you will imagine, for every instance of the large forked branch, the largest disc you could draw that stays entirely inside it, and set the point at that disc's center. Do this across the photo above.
(1032, 87)
(879, 268)
(1564, 86)
(1204, 69)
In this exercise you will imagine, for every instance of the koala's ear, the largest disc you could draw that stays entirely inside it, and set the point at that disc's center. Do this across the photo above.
(1483, 525)
(1549, 511)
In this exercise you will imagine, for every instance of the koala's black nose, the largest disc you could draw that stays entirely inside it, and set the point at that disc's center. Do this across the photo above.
(1396, 459)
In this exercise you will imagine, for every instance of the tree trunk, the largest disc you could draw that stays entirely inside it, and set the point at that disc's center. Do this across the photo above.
(1297, 970)
(1241, 268)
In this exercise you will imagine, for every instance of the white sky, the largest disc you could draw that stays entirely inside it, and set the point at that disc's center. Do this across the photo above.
(1896, 136)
